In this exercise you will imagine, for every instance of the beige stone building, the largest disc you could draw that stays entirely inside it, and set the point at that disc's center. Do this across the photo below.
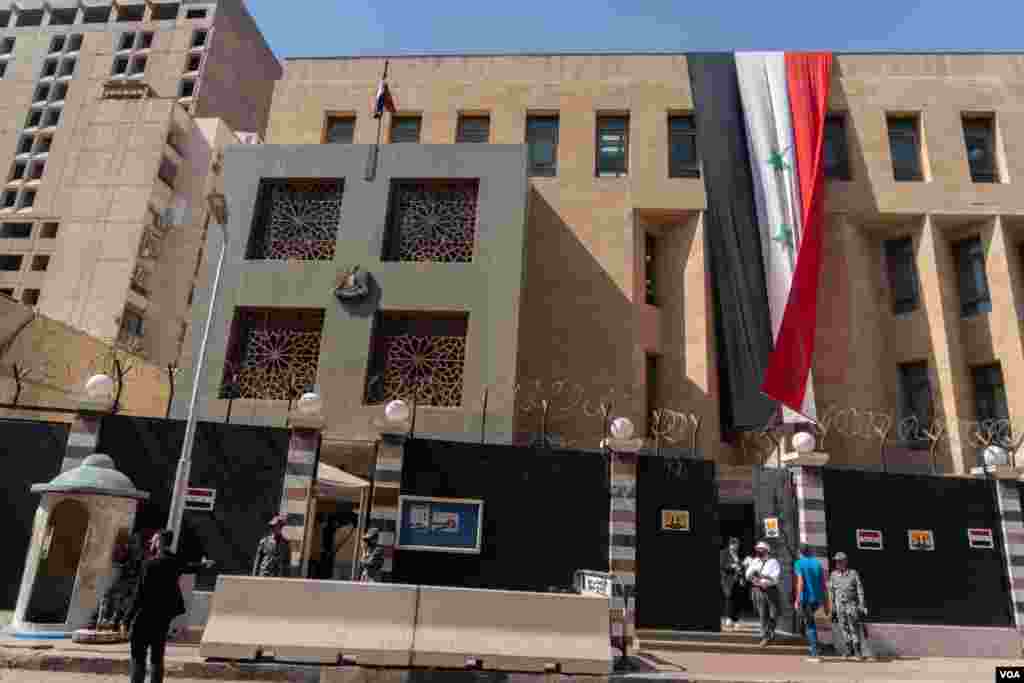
(920, 287)
(111, 117)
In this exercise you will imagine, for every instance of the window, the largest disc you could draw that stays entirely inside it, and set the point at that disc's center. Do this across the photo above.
(296, 219)
(130, 12)
(165, 11)
(126, 42)
(11, 262)
(6, 46)
(902, 268)
(138, 66)
(417, 356)
(28, 199)
(49, 231)
(193, 63)
(196, 14)
(25, 144)
(146, 40)
(405, 128)
(9, 199)
(168, 172)
(473, 129)
(36, 169)
(3, 69)
(42, 93)
(40, 262)
(905, 147)
(62, 17)
(340, 130)
(970, 266)
(612, 145)
(49, 68)
(199, 38)
(57, 44)
(836, 152)
(15, 230)
(95, 15)
(35, 117)
(30, 297)
(7, 291)
(682, 148)
(67, 68)
(916, 399)
(650, 267)
(51, 118)
(651, 385)
(272, 354)
(60, 92)
(44, 144)
(18, 171)
(432, 221)
(542, 145)
(980, 140)
(29, 17)
(990, 393)
(132, 323)
(75, 42)
(187, 88)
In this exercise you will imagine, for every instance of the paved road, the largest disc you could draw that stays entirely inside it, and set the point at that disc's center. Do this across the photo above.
(19, 676)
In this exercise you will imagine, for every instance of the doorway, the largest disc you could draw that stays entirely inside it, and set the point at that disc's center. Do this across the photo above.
(58, 564)
(737, 520)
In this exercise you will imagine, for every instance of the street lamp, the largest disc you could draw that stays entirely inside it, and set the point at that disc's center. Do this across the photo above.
(310, 404)
(218, 210)
(99, 388)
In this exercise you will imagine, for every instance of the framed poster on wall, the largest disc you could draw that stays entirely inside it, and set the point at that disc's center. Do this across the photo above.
(869, 539)
(980, 539)
(443, 525)
(675, 520)
(921, 539)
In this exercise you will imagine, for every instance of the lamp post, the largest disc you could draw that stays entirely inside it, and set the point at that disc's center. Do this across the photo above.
(218, 210)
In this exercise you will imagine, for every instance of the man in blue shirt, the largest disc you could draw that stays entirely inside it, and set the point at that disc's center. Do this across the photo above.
(811, 593)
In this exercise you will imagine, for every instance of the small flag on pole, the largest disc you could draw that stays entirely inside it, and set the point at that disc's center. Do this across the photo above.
(384, 99)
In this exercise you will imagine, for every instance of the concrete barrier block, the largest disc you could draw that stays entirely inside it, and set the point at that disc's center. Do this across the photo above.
(512, 631)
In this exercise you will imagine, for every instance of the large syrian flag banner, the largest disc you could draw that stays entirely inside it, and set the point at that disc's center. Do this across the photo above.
(784, 103)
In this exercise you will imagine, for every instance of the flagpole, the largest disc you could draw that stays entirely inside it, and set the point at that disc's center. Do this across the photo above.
(371, 162)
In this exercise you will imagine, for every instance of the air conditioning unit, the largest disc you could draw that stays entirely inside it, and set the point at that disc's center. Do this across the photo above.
(249, 138)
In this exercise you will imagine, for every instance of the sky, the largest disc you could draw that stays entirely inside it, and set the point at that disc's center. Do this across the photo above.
(311, 28)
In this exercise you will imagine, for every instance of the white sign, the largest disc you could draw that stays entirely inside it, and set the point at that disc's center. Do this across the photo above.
(200, 500)
(595, 583)
(980, 539)
(419, 516)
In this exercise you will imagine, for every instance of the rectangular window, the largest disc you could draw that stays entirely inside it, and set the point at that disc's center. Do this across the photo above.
(35, 117)
(682, 147)
(187, 88)
(11, 262)
(836, 152)
(168, 172)
(60, 92)
(902, 268)
(296, 220)
(916, 399)
(980, 141)
(193, 63)
(473, 129)
(67, 68)
(42, 93)
(905, 147)
(49, 231)
(44, 144)
(340, 130)
(272, 353)
(18, 170)
(132, 323)
(51, 118)
(120, 66)
(40, 262)
(199, 38)
(36, 169)
(146, 40)
(75, 42)
(57, 44)
(28, 199)
(195, 14)
(650, 268)
(432, 220)
(29, 17)
(95, 15)
(990, 393)
(405, 128)
(30, 297)
(542, 145)
(138, 66)
(9, 199)
(49, 68)
(6, 46)
(7, 291)
(62, 17)
(25, 144)
(130, 12)
(970, 265)
(15, 231)
(165, 11)
(3, 69)
(612, 146)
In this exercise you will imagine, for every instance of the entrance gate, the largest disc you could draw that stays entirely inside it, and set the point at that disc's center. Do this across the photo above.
(678, 585)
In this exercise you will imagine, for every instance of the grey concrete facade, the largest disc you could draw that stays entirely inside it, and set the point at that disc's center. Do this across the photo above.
(488, 289)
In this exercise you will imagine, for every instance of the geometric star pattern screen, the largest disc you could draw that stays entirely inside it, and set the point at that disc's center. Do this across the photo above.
(297, 220)
(433, 221)
(273, 354)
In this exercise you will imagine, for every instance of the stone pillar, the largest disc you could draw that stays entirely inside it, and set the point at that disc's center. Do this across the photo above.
(622, 546)
(1012, 527)
(387, 486)
(296, 497)
(811, 529)
(85, 433)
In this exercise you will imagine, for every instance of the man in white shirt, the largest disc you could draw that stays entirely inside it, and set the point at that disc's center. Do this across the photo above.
(763, 575)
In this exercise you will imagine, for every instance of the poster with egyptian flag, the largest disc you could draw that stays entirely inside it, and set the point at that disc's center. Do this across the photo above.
(784, 101)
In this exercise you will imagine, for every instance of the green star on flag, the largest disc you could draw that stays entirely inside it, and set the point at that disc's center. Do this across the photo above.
(784, 236)
(777, 161)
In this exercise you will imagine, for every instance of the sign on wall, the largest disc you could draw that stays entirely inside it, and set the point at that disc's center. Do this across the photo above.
(921, 539)
(200, 500)
(980, 539)
(771, 527)
(594, 583)
(869, 539)
(446, 525)
(675, 520)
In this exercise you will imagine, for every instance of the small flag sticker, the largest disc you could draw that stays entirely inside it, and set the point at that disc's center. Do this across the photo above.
(869, 539)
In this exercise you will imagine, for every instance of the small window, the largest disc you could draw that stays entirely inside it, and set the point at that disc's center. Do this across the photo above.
(57, 44)
(15, 231)
(138, 66)
(30, 297)
(120, 66)
(132, 323)
(36, 170)
(187, 88)
(193, 63)
(5, 18)
(916, 400)
(35, 117)
(168, 172)
(49, 68)
(199, 38)
(9, 199)
(6, 46)
(63, 17)
(7, 291)
(905, 147)
(146, 40)
(28, 199)
(130, 12)
(49, 231)
(165, 11)
(75, 42)
(96, 15)
(127, 41)
(51, 118)
(902, 268)
(682, 147)
(542, 145)
(836, 151)
(3, 69)
(473, 129)
(42, 93)
(990, 393)
(650, 269)
(60, 92)
(18, 171)
(40, 262)
(29, 17)
(612, 146)
(970, 264)
(67, 68)
(405, 128)
(980, 140)
(25, 144)
(44, 143)
(11, 262)
(340, 130)
(195, 14)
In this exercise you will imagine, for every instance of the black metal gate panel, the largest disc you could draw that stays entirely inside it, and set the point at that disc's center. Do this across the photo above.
(677, 579)
(953, 584)
(31, 453)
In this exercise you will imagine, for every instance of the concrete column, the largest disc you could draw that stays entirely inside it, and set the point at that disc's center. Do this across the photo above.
(1012, 527)
(622, 546)
(84, 435)
(387, 485)
(811, 529)
(1004, 281)
(296, 498)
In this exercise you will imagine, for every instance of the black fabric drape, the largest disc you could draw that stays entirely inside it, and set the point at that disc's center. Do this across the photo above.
(733, 244)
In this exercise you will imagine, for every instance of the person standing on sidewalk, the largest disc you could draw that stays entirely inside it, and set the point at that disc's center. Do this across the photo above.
(811, 593)
(847, 593)
(732, 581)
(273, 556)
(372, 563)
(763, 574)
(158, 602)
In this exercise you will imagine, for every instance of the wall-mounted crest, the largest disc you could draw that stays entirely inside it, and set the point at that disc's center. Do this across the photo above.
(353, 285)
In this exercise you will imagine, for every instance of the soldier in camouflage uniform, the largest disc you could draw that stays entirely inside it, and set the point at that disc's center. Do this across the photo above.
(273, 556)
(849, 608)
(372, 562)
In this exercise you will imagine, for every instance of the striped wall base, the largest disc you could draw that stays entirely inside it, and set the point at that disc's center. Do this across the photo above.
(298, 490)
(387, 483)
(1012, 523)
(82, 440)
(622, 547)
(810, 502)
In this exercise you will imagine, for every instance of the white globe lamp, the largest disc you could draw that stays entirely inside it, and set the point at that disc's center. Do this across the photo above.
(310, 404)
(99, 388)
(803, 442)
(397, 411)
(995, 456)
(622, 429)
